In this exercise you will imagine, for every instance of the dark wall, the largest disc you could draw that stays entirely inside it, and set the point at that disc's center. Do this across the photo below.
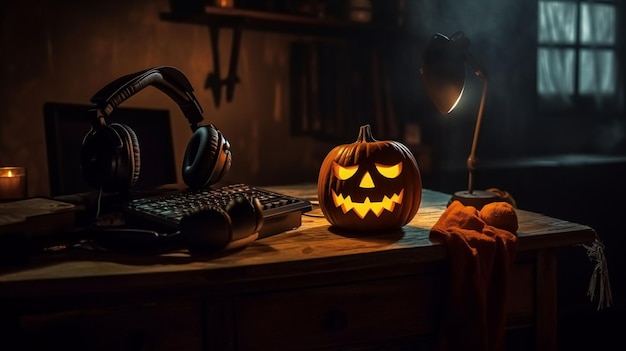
(501, 35)
(503, 39)
(65, 51)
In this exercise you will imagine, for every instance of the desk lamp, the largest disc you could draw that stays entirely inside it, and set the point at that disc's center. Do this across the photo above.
(443, 71)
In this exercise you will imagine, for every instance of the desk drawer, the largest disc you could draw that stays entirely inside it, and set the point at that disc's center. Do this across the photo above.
(150, 326)
(342, 314)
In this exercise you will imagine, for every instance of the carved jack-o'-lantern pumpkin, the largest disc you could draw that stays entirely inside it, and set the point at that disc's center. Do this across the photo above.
(369, 185)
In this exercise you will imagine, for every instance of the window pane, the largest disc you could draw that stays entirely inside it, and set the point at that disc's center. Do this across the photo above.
(597, 71)
(557, 22)
(597, 24)
(555, 71)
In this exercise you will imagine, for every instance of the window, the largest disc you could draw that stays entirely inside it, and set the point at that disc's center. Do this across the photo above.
(577, 54)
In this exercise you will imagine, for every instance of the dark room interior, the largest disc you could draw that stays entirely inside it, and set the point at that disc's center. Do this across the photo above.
(553, 134)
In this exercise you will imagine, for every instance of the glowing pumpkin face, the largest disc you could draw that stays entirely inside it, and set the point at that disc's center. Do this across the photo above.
(369, 185)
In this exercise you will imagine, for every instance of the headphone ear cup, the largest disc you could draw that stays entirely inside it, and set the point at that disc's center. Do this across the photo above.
(133, 153)
(110, 158)
(217, 229)
(246, 215)
(206, 231)
(207, 157)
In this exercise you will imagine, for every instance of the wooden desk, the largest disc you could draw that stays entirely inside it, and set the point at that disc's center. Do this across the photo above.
(306, 288)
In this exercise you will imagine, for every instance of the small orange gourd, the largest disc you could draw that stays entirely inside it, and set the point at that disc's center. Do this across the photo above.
(369, 185)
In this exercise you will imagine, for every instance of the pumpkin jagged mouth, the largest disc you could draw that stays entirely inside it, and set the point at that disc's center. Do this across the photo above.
(362, 208)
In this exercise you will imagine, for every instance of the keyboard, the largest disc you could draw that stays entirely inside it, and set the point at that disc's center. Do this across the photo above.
(164, 212)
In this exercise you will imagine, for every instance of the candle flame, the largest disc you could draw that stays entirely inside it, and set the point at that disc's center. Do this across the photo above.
(9, 174)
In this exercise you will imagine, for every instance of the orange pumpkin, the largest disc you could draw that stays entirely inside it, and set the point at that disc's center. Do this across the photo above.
(369, 185)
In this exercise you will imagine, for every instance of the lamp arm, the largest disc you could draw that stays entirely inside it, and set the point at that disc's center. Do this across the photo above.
(478, 70)
(472, 160)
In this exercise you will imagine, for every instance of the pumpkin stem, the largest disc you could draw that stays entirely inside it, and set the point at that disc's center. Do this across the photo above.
(365, 134)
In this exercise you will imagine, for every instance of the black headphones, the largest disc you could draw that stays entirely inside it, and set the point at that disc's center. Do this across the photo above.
(216, 229)
(110, 156)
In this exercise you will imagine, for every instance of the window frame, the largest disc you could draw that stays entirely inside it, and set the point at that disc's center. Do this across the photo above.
(582, 105)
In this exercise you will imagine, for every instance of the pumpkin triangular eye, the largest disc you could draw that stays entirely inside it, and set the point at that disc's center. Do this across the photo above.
(389, 171)
(343, 173)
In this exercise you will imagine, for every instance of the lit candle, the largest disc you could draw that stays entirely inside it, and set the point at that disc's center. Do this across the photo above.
(12, 183)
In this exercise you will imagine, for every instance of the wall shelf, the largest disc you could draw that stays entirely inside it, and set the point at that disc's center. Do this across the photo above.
(278, 22)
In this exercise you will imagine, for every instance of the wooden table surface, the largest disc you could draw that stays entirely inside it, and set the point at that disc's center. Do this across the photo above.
(312, 247)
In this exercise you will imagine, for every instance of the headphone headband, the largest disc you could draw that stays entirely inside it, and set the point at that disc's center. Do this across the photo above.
(169, 80)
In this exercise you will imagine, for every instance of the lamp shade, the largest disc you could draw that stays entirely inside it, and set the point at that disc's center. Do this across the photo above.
(443, 72)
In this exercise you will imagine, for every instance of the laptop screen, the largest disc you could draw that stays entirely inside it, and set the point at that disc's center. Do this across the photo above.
(67, 124)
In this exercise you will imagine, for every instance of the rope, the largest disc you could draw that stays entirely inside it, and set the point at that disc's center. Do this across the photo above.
(600, 275)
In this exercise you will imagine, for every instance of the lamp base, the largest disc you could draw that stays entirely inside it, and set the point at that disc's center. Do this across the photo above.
(478, 198)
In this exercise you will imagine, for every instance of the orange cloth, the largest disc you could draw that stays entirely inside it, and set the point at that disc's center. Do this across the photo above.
(481, 258)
